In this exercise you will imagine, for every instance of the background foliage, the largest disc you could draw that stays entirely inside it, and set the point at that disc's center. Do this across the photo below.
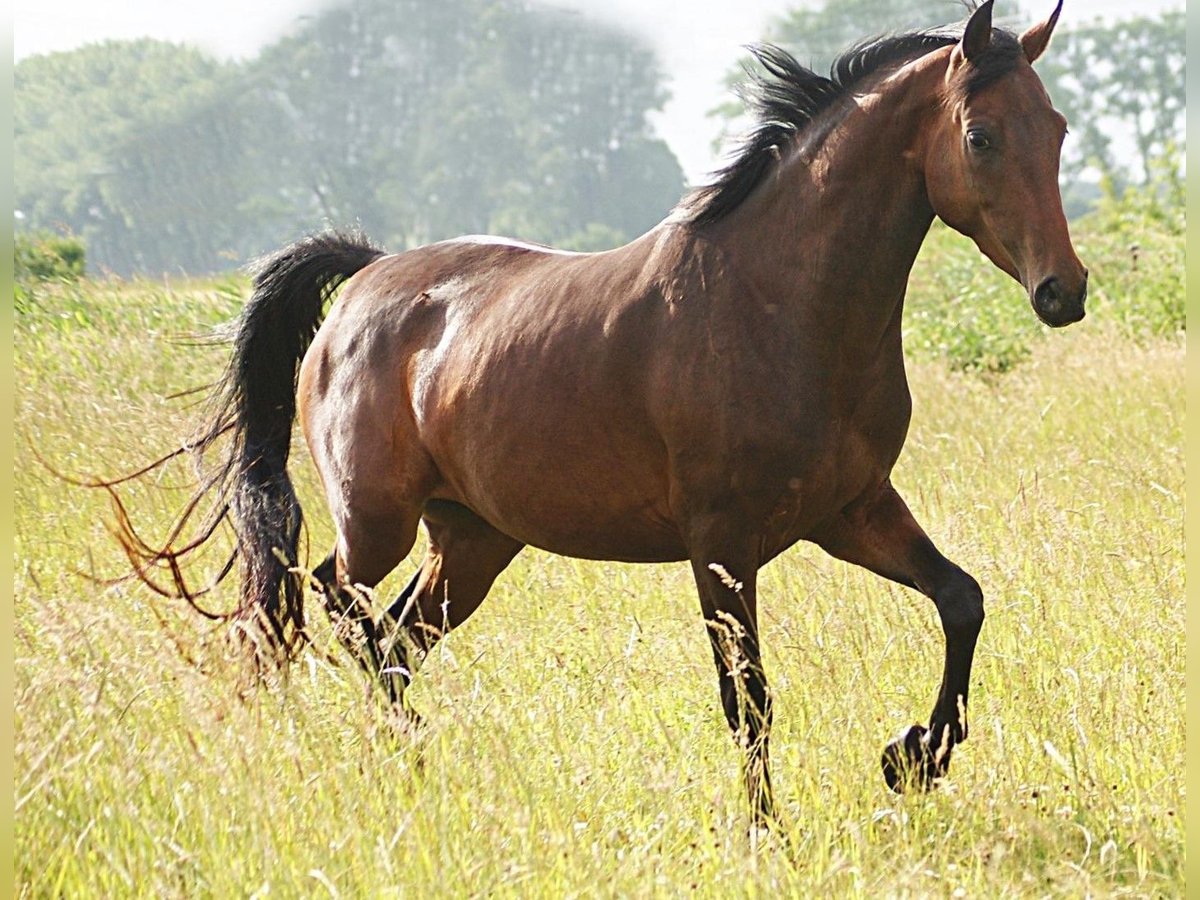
(40, 257)
(420, 120)
(415, 120)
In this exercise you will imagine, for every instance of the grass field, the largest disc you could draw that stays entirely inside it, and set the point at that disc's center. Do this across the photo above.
(574, 744)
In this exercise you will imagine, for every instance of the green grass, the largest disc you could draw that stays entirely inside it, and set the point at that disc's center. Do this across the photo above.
(573, 741)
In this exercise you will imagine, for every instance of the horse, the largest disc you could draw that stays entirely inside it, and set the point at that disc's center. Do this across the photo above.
(728, 384)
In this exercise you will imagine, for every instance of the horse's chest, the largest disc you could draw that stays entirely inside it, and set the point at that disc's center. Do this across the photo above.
(825, 467)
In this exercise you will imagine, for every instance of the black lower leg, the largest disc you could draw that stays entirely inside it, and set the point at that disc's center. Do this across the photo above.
(400, 606)
(746, 702)
(396, 639)
(960, 606)
(920, 755)
(356, 629)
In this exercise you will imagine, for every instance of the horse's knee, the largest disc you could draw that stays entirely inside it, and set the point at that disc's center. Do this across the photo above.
(960, 604)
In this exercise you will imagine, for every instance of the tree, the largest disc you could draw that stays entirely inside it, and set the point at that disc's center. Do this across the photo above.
(422, 119)
(90, 157)
(816, 36)
(414, 119)
(1121, 87)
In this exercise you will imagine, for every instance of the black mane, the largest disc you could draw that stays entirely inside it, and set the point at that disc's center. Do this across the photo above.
(788, 98)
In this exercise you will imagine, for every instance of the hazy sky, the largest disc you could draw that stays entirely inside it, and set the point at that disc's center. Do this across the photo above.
(697, 41)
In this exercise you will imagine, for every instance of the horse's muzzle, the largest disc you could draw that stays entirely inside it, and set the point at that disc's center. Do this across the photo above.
(1057, 306)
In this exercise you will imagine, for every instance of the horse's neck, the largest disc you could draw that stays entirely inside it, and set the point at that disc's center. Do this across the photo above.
(838, 225)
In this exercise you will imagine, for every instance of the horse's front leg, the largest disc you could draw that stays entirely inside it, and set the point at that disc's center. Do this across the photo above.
(879, 533)
(726, 571)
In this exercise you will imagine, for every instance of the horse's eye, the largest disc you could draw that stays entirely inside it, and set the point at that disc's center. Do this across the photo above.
(978, 139)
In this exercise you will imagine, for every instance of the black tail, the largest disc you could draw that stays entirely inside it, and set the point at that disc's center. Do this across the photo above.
(255, 405)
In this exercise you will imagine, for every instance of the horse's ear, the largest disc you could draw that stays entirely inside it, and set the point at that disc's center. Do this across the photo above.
(1034, 41)
(977, 35)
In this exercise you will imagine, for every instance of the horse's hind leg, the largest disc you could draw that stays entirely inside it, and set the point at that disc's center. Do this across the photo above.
(465, 556)
(368, 549)
(879, 533)
(349, 610)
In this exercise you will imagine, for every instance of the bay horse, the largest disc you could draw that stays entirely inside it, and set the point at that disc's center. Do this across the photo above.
(722, 387)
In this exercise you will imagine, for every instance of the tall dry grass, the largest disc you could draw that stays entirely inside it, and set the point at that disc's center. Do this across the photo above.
(573, 743)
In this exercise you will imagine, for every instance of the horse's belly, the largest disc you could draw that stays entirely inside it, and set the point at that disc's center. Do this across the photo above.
(595, 525)
(635, 542)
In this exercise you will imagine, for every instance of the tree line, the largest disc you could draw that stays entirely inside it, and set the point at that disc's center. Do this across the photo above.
(412, 119)
(422, 119)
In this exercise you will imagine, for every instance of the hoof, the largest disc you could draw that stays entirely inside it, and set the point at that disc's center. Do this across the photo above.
(909, 761)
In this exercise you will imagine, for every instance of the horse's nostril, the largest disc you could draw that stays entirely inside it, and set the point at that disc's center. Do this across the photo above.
(1048, 296)
(1054, 306)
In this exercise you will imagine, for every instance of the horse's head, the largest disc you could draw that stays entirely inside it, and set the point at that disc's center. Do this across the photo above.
(991, 164)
